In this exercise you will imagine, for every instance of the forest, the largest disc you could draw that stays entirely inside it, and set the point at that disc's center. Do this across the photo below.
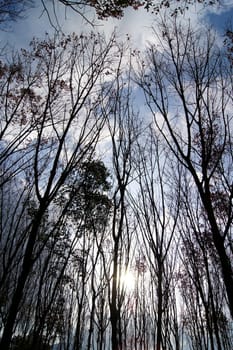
(116, 189)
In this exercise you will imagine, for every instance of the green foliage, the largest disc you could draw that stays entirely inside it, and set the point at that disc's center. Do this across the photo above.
(85, 195)
(94, 177)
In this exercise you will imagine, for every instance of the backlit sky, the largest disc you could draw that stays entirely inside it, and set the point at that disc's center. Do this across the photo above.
(135, 23)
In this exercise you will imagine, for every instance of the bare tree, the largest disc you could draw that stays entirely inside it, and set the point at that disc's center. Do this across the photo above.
(186, 88)
(157, 216)
(201, 284)
(71, 90)
(123, 132)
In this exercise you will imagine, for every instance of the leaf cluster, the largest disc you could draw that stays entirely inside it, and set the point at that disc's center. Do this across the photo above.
(85, 195)
(13, 10)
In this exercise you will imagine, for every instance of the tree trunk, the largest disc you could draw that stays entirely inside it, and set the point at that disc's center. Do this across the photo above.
(113, 306)
(17, 296)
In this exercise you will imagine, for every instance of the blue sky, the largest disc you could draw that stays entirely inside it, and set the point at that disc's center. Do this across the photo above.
(135, 23)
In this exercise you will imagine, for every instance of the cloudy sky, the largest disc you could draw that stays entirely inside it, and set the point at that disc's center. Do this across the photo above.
(135, 23)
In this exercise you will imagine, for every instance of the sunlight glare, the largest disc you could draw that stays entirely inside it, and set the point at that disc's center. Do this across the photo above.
(127, 281)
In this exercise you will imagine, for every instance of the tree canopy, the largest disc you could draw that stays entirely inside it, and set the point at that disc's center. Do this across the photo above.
(13, 10)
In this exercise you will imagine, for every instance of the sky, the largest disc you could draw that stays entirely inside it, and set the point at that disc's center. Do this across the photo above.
(135, 23)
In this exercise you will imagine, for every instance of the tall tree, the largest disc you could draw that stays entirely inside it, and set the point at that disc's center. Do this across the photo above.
(185, 80)
(70, 71)
(157, 216)
(201, 285)
(123, 132)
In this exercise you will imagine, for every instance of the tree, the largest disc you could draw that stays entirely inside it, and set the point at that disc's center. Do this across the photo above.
(157, 215)
(201, 285)
(19, 84)
(12, 10)
(19, 343)
(229, 44)
(185, 82)
(116, 8)
(88, 210)
(123, 131)
(70, 70)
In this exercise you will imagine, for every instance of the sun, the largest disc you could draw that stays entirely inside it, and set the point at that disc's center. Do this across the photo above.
(127, 281)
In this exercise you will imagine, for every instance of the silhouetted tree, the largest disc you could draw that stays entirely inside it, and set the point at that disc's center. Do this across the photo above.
(185, 80)
(69, 70)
